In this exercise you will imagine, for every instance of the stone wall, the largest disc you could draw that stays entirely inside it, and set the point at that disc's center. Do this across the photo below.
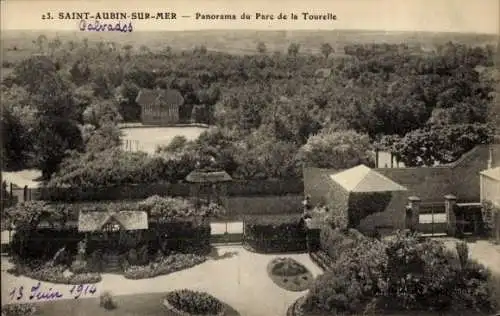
(430, 184)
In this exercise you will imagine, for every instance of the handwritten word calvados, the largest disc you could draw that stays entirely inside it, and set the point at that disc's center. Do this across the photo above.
(38, 293)
(97, 26)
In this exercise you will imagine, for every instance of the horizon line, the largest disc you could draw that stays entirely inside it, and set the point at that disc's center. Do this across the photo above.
(497, 34)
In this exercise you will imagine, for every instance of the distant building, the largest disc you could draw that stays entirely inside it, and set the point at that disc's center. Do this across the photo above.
(490, 185)
(159, 107)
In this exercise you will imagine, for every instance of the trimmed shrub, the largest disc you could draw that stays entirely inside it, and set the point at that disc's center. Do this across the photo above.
(275, 234)
(106, 301)
(183, 236)
(194, 302)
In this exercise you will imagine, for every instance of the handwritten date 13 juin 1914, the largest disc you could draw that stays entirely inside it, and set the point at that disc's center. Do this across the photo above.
(38, 293)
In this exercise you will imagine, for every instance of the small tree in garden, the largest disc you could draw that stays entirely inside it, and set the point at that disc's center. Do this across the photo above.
(106, 301)
(337, 150)
(27, 215)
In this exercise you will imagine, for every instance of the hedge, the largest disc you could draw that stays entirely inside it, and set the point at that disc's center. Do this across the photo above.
(131, 191)
(274, 234)
(184, 236)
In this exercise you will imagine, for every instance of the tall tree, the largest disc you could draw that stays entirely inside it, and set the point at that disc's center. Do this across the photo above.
(293, 49)
(326, 49)
(261, 48)
(337, 150)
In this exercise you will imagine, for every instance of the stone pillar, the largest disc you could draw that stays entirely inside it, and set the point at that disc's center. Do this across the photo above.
(451, 220)
(414, 206)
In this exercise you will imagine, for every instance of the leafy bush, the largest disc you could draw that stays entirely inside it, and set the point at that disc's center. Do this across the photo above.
(403, 273)
(354, 279)
(196, 303)
(115, 167)
(18, 310)
(441, 143)
(275, 234)
(170, 208)
(335, 241)
(163, 266)
(420, 275)
(106, 301)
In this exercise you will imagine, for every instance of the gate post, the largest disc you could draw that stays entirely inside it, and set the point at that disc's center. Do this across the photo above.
(414, 204)
(450, 202)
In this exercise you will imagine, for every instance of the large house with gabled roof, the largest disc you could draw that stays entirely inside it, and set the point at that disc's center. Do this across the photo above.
(159, 106)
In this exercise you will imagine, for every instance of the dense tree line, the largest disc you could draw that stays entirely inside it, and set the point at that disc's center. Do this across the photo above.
(272, 112)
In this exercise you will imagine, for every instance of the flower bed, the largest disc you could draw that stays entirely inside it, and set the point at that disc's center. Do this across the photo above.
(289, 274)
(192, 303)
(165, 265)
(56, 274)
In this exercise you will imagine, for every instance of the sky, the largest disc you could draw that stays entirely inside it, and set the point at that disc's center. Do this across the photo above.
(464, 16)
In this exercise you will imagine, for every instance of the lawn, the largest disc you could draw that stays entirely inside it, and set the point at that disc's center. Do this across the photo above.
(233, 275)
(149, 138)
(148, 304)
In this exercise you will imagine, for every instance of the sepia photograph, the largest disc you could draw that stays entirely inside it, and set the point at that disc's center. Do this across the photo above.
(250, 158)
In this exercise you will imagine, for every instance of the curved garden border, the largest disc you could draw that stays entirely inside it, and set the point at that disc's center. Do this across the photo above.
(285, 282)
(183, 313)
(294, 309)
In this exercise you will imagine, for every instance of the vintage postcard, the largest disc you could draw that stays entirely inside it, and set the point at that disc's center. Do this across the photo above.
(251, 158)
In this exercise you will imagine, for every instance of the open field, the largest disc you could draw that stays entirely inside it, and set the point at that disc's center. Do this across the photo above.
(149, 138)
(19, 44)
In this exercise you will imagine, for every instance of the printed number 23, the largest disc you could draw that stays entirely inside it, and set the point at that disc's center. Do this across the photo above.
(17, 293)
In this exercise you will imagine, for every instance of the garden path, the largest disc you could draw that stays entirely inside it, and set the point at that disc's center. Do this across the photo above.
(233, 274)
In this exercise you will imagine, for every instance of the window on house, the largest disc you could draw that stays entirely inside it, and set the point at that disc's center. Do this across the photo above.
(111, 227)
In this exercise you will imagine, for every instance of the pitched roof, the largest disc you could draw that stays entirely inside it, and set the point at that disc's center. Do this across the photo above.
(493, 173)
(128, 220)
(164, 97)
(363, 179)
